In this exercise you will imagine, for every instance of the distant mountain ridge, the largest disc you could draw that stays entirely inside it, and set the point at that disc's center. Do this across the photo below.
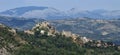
(22, 10)
(53, 13)
(33, 12)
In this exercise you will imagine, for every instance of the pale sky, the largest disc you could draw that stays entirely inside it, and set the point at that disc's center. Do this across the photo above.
(62, 4)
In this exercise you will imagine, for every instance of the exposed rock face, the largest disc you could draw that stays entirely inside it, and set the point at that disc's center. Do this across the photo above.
(118, 47)
(1, 25)
(45, 28)
(66, 33)
(69, 34)
(13, 31)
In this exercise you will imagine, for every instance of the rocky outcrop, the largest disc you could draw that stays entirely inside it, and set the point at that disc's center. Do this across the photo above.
(45, 28)
(3, 51)
(43, 35)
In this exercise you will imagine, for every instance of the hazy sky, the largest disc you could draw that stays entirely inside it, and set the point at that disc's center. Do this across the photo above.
(63, 4)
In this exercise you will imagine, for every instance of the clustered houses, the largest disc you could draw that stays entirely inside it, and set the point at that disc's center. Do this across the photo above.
(69, 34)
(29, 32)
(85, 40)
(42, 32)
(46, 28)
(43, 28)
(99, 43)
(75, 36)
(66, 33)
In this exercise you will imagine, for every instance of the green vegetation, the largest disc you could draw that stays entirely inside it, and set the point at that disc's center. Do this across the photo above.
(39, 44)
(59, 45)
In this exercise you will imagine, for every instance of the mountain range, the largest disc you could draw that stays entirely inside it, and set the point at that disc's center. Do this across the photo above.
(98, 24)
(53, 13)
(36, 30)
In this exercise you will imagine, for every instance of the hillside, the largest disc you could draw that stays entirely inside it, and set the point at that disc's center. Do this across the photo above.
(42, 40)
(9, 40)
(107, 30)
(19, 23)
